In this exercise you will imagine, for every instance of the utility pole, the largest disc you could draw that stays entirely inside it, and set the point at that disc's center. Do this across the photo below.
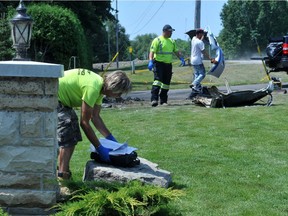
(108, 42)
(117, 32)
(197, 14)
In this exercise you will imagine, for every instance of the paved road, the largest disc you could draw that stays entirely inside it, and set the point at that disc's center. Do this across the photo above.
(182, 94)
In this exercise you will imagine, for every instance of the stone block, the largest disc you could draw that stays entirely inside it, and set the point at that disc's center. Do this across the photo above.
(27, 198)
(9, 127)
(20, 85)
(51, 87)
(28, 103)
(50, 124)
(146, 172)
(21, 211)
(17, 180)
(39, 142)
(31, 124)
(33, 181)
(26, 159)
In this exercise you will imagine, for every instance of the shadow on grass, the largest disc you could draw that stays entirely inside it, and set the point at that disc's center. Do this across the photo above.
(177, 186)
(171, 211)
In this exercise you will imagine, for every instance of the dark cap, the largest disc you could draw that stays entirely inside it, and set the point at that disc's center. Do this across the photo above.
(168, 28)
(199, 31)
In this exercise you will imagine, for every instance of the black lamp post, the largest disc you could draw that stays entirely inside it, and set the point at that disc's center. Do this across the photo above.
(21, 26)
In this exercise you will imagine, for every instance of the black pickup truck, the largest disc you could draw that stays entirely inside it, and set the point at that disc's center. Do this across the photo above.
(277, 54)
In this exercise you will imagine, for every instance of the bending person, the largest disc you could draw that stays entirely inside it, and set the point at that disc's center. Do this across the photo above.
(84, 88)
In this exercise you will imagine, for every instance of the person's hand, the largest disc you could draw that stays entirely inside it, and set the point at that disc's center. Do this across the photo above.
(103, 153)
(202, 37)
(182, 61)
(213, 61)
(111, 137)
(150, 65)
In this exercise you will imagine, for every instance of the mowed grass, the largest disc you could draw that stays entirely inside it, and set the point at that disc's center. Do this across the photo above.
(229, 161)
(236, 73)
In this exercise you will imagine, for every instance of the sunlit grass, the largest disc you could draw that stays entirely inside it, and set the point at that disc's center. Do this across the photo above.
(236, 73)
(228, 161)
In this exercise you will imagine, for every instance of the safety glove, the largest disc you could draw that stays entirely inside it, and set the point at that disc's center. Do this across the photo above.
(150, 65)
(182, 61)
(111, 137)
(103, 153)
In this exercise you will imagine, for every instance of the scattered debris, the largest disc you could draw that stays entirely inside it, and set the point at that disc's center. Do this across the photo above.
(212, 97)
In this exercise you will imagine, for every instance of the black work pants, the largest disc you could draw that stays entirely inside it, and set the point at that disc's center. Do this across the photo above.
(162, 78)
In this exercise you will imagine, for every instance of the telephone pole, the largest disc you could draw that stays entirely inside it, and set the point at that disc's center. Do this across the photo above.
(197, 14)
(117, 32)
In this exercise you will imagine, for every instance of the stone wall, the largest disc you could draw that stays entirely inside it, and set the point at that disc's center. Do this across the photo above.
(28, 144)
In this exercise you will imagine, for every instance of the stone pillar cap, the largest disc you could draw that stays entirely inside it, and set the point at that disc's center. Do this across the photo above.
(30, 69)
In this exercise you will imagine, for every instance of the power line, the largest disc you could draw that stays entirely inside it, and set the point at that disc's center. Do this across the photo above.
(142, 16)
(150, 18)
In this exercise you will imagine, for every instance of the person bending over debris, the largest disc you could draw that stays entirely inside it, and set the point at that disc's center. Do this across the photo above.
(86, 89)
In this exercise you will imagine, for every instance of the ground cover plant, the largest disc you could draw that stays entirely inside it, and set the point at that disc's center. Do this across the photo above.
(2, 213)
(229, 161)
(133, 198)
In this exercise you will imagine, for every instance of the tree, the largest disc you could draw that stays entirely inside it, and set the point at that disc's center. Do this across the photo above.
(57, 35)
(184, 47)
(123, 41)
(141, 46)
(247, 24)
(93, 15)
(6, 51)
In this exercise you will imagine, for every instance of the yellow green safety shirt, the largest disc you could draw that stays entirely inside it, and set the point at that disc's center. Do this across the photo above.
(79, 85)
(163, 49)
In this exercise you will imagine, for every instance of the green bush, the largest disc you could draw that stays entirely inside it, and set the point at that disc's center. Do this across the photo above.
(57, 35)
(133, 198)
(2, 213)
(6, 51)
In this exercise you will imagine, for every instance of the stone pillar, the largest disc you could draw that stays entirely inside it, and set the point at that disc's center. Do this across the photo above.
(28, 143)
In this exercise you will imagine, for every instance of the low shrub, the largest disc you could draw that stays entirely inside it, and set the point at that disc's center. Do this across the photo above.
(133, 198)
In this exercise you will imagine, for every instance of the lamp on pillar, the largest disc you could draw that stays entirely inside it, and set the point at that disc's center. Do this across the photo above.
(21, 26)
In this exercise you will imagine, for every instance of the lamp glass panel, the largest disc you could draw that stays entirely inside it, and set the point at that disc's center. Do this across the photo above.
(21, 33)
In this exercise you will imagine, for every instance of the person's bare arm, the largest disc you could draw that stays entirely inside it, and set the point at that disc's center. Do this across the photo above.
(86, 115)
(98, 121)
(151, 55)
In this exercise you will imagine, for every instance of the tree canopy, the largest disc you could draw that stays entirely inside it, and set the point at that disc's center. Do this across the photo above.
(6, 51)
(141, 46)
(247, 24)
(57, 35)
(92, 16)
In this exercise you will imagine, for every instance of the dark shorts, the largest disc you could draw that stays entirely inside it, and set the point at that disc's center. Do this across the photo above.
(68, 130)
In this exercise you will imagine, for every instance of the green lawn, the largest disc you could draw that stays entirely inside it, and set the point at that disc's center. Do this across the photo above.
(227, 161)
(236, 73)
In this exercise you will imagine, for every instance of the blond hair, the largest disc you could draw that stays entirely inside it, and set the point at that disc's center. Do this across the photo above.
(117, 82)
